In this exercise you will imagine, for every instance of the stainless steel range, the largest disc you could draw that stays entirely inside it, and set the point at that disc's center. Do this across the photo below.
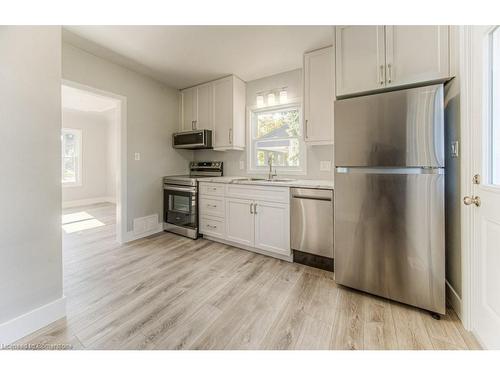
(180, 198)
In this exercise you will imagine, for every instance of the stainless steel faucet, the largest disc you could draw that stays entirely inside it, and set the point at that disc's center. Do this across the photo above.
(270, 163)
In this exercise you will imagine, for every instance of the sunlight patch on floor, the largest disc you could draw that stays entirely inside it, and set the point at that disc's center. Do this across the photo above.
(82, 225)
(79, 221)
(77, 216)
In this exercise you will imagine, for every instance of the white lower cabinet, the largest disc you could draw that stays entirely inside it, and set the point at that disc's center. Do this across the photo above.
(212, 226)
(261, 225)
(239, 221)
(272, 227)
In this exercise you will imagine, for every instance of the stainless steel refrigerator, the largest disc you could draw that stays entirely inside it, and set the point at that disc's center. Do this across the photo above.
(389, 195)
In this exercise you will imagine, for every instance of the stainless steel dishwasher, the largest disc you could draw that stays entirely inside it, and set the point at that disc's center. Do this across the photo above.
(311, 227)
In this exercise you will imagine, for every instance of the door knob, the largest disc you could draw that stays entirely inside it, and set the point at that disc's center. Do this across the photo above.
(472, 200)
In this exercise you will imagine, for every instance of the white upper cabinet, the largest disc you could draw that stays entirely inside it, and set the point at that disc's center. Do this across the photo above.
(416, 54)
(319, 95)
(189, 109)
(369, 58)
(218, 106)
(196, 103)
(204, 119)
(229, 97)
(359, 59)
(223, 112)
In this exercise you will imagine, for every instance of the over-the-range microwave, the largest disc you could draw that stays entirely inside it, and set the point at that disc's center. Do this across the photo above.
(193, 139)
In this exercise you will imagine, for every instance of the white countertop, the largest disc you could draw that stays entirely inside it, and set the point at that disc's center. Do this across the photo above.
(314, 184)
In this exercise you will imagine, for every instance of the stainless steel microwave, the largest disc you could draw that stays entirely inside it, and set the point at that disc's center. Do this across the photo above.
(193, 139)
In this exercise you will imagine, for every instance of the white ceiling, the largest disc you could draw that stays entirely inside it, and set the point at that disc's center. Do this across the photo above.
(183, 56)
(82, 100)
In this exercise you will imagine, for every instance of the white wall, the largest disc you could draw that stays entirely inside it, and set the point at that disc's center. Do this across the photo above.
(98, 162)
(112, 118)
(30, 182)
(152, 117)
(292, 80)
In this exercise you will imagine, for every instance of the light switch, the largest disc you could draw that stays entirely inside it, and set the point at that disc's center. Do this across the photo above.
(137, 156)
(242, 164)
(325, 165)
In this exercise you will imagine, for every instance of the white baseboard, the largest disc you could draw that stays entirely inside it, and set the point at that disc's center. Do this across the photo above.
(132, 236)
(87, 202)
(32, 321)
(454, 299)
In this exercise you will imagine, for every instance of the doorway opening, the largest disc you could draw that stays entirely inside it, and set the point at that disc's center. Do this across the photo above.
(93, 162)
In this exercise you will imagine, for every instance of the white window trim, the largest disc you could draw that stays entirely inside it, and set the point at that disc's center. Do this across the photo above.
(303, 147)
(79, 179)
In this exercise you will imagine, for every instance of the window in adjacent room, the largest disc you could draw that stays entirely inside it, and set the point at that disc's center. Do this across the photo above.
(276, 132)
(71, 141)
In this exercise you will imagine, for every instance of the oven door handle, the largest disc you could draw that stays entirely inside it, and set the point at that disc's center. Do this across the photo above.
(178, 188)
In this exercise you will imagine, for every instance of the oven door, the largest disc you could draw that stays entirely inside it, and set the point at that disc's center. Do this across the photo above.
(180, 206)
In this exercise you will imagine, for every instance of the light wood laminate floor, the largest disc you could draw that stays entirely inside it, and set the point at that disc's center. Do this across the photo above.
(170, 292)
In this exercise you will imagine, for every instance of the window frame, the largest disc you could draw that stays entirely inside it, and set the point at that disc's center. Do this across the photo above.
(79, 135)
(251, 116)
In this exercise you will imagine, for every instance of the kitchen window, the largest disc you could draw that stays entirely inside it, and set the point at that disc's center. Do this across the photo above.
(276, 132)
(71, 160)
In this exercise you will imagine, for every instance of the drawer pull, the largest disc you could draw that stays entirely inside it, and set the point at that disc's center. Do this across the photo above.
(212, 205)
(212, 226)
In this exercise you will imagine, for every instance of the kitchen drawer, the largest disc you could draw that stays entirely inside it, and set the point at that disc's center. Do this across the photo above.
(207, 188)
(212, 206)
(212, 226)
(257, 192)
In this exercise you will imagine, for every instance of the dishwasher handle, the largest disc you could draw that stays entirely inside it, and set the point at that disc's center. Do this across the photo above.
(313, 194)
(312, 198)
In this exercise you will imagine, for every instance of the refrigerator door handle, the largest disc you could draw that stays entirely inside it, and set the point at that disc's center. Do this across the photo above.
(407, 170)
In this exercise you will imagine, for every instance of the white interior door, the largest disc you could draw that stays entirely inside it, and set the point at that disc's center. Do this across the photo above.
(485, 231)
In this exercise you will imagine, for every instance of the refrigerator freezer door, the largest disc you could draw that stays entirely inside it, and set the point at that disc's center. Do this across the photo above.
(389, 237)
(392, 129)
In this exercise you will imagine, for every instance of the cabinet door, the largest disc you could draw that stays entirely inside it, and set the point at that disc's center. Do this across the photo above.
(239, 221)
(272, 227)
(318, 96)
(204, 116)
(189, 108)
(416, 54)
(223, 112)
(359, 59)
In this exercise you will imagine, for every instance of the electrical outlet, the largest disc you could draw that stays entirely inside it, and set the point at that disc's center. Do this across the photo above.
(325, 165)
(137, 156)
(242, 164)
